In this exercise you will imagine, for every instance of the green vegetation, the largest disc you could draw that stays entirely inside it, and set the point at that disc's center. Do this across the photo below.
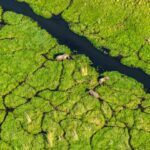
(123, 27)
(47, 8)
(45, 103)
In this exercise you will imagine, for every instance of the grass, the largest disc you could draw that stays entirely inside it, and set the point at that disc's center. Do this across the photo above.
(45, 104)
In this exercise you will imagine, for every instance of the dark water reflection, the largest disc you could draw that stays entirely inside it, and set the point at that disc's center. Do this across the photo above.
(59, 29)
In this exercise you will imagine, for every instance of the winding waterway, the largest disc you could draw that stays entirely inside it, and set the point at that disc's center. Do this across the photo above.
(59, 29)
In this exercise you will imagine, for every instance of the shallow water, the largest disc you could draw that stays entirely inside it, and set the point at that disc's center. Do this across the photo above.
(59, 29)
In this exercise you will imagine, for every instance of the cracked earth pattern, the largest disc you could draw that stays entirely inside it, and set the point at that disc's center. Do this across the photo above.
(45, 104)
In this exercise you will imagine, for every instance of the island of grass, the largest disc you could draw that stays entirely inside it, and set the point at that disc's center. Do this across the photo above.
(45, 103)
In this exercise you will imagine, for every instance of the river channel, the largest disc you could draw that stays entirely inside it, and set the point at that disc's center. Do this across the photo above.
(59, 29)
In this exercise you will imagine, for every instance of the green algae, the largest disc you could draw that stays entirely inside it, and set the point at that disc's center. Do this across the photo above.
(45, 103)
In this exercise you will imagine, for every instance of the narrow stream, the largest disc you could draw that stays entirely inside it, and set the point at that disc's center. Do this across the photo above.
(59, 29)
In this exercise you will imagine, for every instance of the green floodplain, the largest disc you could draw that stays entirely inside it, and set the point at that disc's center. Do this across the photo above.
(45, 104)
